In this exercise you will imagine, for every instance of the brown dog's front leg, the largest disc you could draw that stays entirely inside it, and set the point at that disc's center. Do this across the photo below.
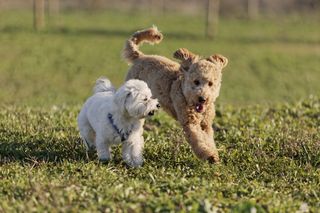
(201, 143)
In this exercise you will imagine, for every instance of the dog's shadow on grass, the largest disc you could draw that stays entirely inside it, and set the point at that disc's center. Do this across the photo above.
(43, 146)
(19, 147)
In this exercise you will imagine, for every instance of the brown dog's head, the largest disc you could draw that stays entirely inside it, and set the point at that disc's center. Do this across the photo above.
(201, 78)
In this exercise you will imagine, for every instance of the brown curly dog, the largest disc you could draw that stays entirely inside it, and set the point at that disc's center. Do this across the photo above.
(186, 90)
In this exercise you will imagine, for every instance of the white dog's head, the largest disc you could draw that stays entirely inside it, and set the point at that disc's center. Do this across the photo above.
(134, 98)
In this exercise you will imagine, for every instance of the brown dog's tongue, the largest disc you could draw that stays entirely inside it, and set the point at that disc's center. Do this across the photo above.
(199, 107)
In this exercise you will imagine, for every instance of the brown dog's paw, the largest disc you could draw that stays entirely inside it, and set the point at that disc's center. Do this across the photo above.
(213, 159)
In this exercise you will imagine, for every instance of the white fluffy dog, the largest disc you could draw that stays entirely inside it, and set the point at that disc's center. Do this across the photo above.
(113, 117)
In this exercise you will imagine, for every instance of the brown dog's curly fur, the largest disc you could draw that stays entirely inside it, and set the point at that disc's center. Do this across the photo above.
(186, 90)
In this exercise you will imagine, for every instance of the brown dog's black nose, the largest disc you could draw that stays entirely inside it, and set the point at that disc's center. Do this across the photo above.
(202, 99)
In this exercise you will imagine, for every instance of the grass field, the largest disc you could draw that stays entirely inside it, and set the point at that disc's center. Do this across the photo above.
(270, 161)
(267, 124)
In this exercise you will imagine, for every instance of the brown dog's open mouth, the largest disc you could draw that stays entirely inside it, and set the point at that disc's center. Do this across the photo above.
(199, 107)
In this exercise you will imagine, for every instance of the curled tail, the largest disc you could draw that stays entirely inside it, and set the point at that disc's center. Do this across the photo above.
(103, 85)
(131, 49)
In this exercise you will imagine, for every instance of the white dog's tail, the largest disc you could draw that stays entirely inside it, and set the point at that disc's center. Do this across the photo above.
(131, 49)
(103, 85)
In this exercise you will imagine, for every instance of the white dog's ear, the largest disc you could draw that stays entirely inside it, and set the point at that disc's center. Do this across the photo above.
(218, 60)
(120, 98)
(186, 57)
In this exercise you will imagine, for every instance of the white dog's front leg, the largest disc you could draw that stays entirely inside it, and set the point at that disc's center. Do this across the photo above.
(126, 149)
(136, 152)
(132, 151)
(103, 150)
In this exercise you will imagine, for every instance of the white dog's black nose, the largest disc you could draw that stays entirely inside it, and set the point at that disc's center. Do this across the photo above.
(202, 99)
(151, 113)
(158, 106)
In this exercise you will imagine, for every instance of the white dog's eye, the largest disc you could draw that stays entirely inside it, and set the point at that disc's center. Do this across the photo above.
(145, 99)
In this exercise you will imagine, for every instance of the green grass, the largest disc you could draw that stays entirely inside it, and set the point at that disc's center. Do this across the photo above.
(270, 153)
(270, 161)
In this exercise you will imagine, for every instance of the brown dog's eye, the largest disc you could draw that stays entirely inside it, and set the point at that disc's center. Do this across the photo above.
(196, 82)
(210, 84)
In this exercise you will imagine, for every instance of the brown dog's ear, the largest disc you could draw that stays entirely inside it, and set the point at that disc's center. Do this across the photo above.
(218, 59)
(186, 57)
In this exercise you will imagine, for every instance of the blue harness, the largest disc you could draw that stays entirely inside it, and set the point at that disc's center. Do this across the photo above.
(124, 136)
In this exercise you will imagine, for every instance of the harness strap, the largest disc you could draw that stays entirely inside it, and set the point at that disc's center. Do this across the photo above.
(125, 135)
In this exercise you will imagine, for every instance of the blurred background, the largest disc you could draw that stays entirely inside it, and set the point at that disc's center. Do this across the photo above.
(52, 51)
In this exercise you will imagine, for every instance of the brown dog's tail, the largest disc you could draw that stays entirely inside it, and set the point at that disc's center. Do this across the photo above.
(131, 49)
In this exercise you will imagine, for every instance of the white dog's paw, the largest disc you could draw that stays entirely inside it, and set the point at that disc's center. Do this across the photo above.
(133, 161)
(104, 155)
(137, 162)
(105, 158)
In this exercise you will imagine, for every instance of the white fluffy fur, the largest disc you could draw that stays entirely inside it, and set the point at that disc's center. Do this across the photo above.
(129, 105)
